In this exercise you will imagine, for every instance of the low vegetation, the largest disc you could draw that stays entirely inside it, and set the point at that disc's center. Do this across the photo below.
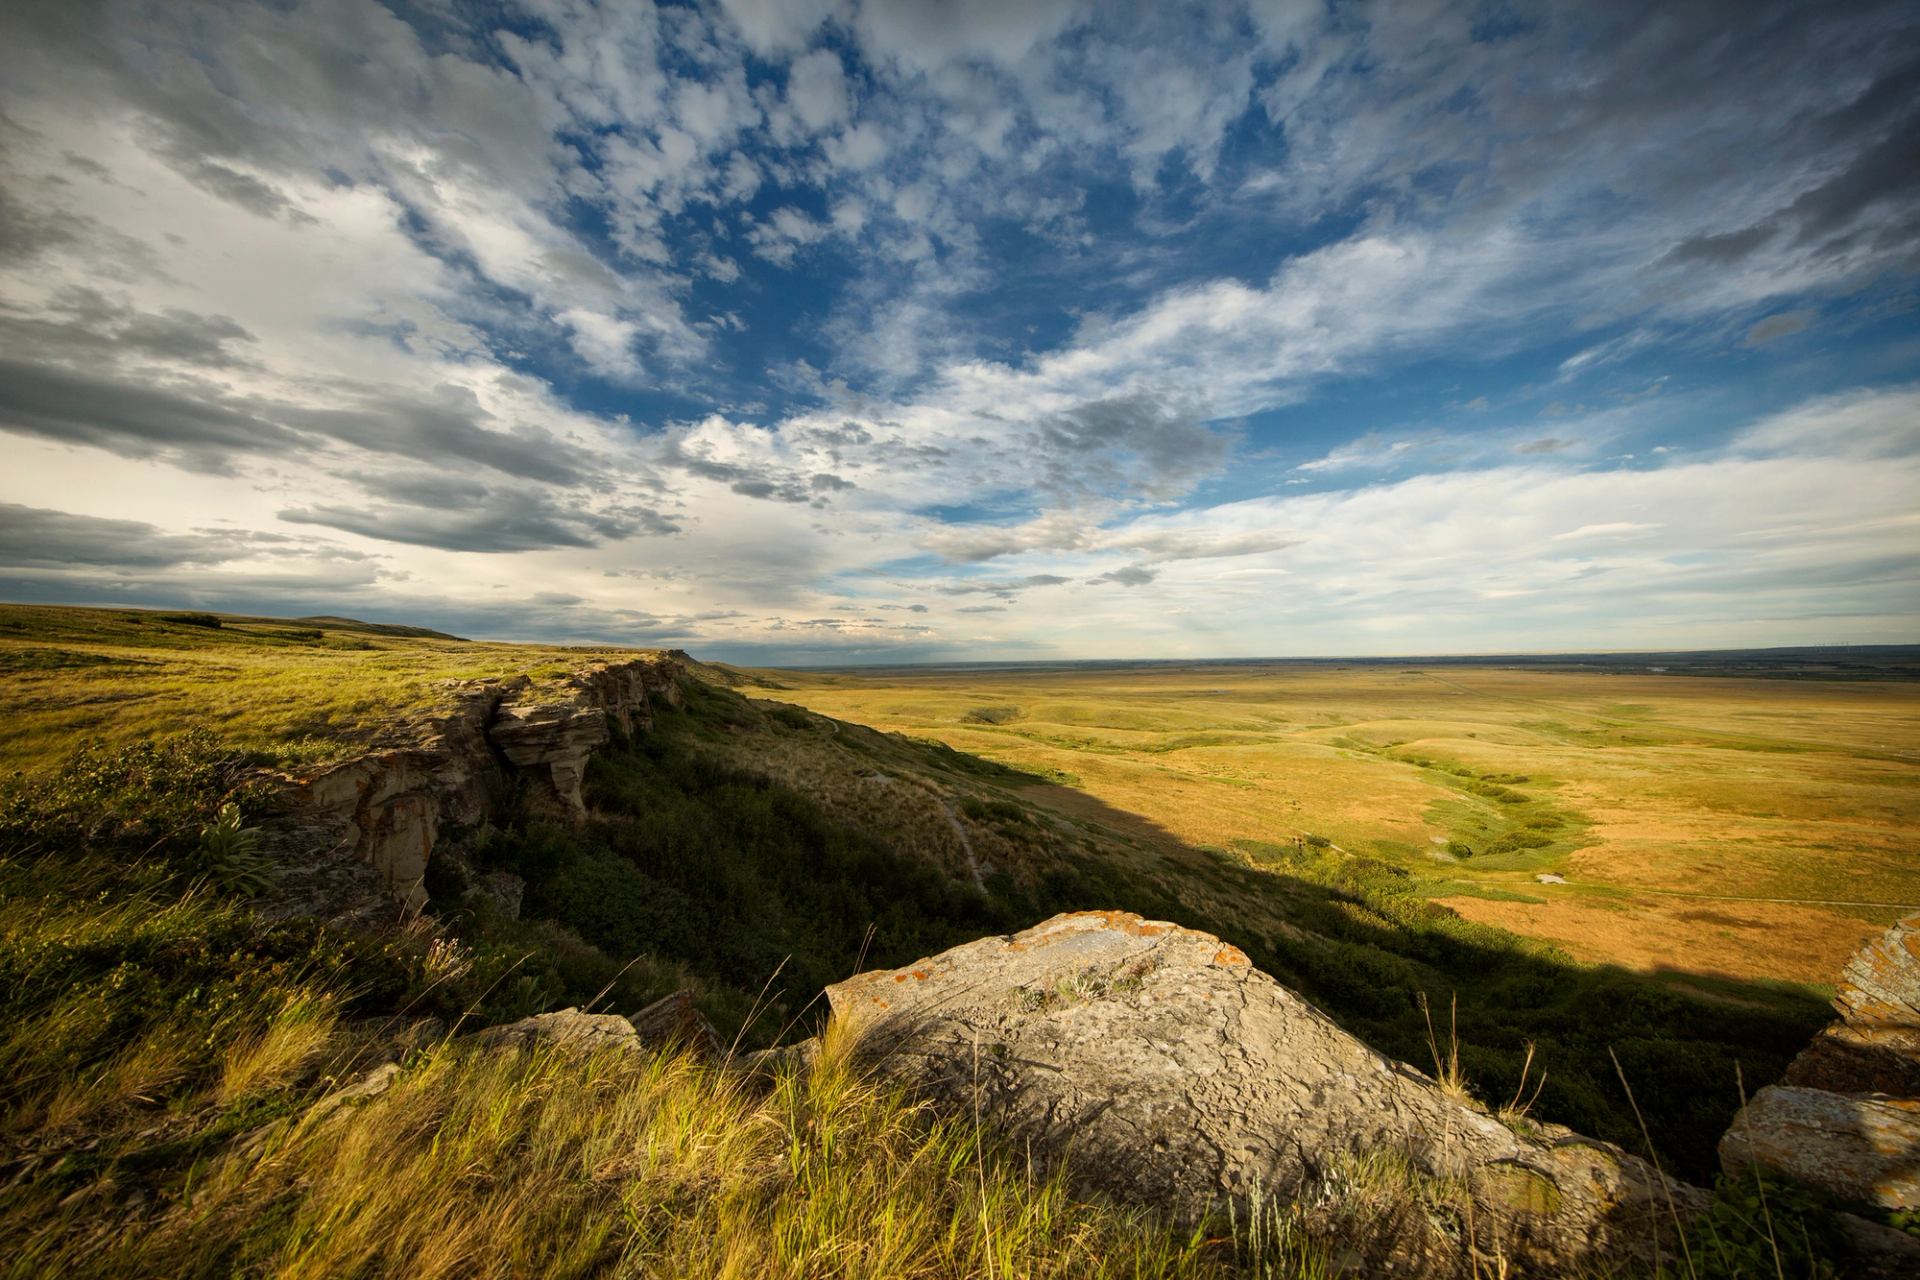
(168, 1052)
(1699, 823)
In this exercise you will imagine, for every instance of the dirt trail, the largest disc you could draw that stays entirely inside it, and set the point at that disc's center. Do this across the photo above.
(966, 843)
(959, 831)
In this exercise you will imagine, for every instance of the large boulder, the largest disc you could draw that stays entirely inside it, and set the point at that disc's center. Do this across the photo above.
(1846, 1118)
(1170, 1073)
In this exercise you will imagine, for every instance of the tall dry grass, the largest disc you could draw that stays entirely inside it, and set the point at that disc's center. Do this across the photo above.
(478, 1163)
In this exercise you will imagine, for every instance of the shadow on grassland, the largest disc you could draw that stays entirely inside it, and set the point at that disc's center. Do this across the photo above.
(740, 838)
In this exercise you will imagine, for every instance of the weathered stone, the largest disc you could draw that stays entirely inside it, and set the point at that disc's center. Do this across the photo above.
(1858, 1147)
(1172, 1074)
(1846, 1117)
(1875, 1047)
(352, 839)
(673, 1022)
(568, 1028)
(551, 742)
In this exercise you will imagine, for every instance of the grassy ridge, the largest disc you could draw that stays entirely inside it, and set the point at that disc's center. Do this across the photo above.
(293, 689)
(1677, 808)
(164, 1045)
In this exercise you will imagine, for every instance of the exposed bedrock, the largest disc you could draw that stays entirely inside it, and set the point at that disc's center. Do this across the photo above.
(1170, 1073)
(354, 837)
(1846, 1118)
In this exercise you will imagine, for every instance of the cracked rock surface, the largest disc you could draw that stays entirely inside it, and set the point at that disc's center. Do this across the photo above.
(1846, 1119)
(1170, 1073)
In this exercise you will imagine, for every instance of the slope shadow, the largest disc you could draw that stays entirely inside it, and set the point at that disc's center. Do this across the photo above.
(1351, 936)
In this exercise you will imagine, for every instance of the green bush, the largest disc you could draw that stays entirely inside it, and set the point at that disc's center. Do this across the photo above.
(1760, 1226)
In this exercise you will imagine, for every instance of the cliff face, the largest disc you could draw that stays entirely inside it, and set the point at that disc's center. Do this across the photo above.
(354, 837)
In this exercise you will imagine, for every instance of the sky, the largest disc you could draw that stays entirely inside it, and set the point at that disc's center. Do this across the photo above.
(840, 331)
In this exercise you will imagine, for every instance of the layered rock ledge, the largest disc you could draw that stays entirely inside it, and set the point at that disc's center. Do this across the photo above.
(1846, 1117)
(1170, 1073)
(353, 838)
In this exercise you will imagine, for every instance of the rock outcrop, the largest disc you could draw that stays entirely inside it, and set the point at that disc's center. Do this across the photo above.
(353, 838)
(1846, 1117)
(1170, 1073)
(567, 1029)
(668, 1023)
(673, 1022)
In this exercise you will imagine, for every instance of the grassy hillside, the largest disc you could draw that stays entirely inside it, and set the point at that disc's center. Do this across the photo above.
(291, 688)
(164, 1045)
(1703, 825)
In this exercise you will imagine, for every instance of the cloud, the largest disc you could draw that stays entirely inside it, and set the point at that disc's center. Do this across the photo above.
(1132, 575)
(775, 26)
(1780, 325)
(817, 89)
(485, 521)
(1609, 529)
(1868, 422)
(203, 431)
(1005, 588)
(42, 538)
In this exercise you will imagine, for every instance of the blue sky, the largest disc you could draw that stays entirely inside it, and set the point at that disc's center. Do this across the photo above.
(830, 330)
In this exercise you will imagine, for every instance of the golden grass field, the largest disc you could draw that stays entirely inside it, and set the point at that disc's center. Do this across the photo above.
(1673, 806)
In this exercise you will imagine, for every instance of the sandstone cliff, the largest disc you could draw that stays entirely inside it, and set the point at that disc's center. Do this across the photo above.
(353, 838)
(1846, 1118)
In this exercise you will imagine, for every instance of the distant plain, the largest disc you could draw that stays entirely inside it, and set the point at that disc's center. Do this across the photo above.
(1732, 826)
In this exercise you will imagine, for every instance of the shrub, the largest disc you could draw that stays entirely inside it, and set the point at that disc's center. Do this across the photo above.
(229, 853)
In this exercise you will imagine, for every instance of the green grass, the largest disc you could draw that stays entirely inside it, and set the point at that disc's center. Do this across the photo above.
(164, 1048)
(297, 692)
(164, 1044)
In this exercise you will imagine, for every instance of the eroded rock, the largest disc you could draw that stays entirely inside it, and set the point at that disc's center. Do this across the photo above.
(1846, 1117)
(1875, 1045)
(567, 1028)
(1172, 1074)
(1863, 1148)
(673, 1022)
(353, 838)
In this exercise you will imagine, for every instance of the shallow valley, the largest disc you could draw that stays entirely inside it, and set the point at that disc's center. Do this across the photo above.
(1740, 826)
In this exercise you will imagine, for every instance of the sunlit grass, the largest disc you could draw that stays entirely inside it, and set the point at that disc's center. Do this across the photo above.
(295, 691)
(1643, 784)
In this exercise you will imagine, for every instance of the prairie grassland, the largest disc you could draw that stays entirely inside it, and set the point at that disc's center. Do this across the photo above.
(1670, 804)
(286, 687)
